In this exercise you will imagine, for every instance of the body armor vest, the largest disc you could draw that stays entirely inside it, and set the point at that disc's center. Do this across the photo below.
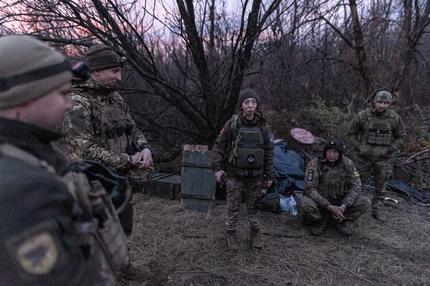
(247, 151)
(332, 182)
(378, 130)
(116, 129)
(96, 219)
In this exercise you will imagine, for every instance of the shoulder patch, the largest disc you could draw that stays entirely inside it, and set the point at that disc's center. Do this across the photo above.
(356, 174)
(310, 175)
(36, 254)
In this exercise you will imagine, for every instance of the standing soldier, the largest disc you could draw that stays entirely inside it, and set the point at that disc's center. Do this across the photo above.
(377, 133)
(332, 189)
(100, 126)
(47, 236)
(243, 155)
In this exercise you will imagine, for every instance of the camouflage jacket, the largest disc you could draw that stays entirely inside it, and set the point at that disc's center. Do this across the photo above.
(91, 127)
(326, 183)
(376, 135)
(223, 144)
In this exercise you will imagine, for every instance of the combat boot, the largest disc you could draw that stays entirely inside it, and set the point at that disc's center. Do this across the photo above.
(255, 238)
(319, 228)
(232, 243)
(376, 213)
(131, 272)
(345, 229)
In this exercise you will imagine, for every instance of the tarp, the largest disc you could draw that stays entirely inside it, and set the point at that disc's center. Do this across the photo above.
(418, 196)
(289, 169)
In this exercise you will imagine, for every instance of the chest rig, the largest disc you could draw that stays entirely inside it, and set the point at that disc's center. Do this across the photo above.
(333, 181)
(247, 152)
(114, 129)
(379, 129)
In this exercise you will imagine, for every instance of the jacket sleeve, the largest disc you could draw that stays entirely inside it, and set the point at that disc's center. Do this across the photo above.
(354, 131)
(220, 149)
(311, 184)
(269, 172)
(80, 140)
(354, 182)
(399, 132)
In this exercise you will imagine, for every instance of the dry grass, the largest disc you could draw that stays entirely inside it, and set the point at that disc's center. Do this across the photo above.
(181, 247)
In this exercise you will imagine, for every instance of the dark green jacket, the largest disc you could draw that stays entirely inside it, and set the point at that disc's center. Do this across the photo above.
(37, 242)
(223, 144)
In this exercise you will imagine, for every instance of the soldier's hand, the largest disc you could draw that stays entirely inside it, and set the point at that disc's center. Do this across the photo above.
(219, 175)
(336, 212)
(146, 161)
(269, 183)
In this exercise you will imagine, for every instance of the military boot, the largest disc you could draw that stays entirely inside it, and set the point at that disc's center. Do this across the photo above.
(231, 238)
(345, 228)
(255, 238)
(319, 228)
(376, 213)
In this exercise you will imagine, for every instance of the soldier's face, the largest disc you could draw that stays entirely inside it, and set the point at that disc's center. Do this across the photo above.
(382, 105)
(332, 155)
(249, 105)
(47, 111)
(109, 77)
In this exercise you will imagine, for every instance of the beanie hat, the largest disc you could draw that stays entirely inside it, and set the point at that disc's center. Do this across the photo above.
(383, 96)
(101, 57)
(29, 69)
(248, 93)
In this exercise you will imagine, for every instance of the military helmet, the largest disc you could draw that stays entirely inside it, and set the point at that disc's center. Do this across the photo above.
(334, 144)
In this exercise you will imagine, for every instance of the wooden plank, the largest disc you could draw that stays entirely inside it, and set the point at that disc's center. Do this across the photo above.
(198, 180)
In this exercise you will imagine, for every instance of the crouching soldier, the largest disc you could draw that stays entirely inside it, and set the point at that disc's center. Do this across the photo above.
(332, 191)
(243, 159)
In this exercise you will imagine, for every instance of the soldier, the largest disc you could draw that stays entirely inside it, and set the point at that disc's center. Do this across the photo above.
(332, 189)
(100, 126)
(243, 159)
(46, 237)
(377, 133)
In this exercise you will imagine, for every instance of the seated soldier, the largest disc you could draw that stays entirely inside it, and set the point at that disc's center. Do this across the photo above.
(332, 191)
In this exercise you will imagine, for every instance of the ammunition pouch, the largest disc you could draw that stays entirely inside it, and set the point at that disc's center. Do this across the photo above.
(247, 154)
(97, 218)
(379, 137)
(333, 190)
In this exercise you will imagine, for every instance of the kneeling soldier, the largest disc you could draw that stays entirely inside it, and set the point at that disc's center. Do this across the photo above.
(332, 189)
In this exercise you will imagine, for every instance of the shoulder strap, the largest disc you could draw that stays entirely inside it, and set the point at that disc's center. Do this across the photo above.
(9, 150)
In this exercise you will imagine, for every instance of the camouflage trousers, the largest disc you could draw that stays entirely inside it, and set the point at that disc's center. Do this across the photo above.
(381, 172)
(252, 191)
(312, 212)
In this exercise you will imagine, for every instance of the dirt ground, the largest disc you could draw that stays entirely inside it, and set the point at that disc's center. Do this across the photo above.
(175, 246)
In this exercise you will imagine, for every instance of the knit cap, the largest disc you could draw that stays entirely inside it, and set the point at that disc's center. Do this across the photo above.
(29, 69)
(383, 96)
(101, 57)
(248, 93)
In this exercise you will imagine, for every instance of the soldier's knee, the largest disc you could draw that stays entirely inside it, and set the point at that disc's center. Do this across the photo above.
(362, 203)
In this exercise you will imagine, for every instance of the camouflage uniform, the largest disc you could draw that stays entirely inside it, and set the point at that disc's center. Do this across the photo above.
(101, 128)
(251, 182)
(376, 136)
(332, 184)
